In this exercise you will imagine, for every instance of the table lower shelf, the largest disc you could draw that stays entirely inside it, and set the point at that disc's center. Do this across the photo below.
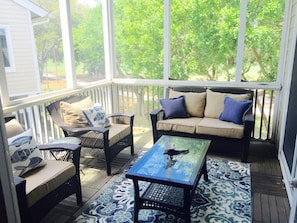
(164, 198)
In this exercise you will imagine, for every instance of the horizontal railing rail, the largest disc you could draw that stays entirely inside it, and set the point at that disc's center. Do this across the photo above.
(139, 97)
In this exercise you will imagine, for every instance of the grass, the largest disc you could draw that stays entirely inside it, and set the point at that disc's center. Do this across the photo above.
(52, 85)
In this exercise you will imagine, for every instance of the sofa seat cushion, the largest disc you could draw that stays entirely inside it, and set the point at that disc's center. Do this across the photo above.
(187, 125)
(116, 133)
(212, 126)
(46, 179)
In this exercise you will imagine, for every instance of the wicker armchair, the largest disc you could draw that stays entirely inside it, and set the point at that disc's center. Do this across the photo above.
(41, 189)
(112, 139)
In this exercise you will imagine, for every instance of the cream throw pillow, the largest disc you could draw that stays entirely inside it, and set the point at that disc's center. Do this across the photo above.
(13, 128)
(194, 102)
(215, 102)
(72, 112)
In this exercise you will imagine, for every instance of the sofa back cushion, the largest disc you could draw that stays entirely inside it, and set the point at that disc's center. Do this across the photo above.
(194, 102)
(215, 102)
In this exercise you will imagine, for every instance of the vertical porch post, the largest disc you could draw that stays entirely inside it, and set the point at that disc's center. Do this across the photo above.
(240, 46)
(66, 26)
(109, 51)
(7, 182)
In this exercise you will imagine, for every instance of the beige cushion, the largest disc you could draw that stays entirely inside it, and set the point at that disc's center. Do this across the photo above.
(116, 133)
(210, 126)
(72, 112)
(215, 102)
(187, 125)
(13, 128)
(194, 102)
(42, 181)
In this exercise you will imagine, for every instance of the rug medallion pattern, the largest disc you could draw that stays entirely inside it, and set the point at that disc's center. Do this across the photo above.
(225, 198)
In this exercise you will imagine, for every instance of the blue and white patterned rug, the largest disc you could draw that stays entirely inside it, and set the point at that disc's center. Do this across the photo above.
(225, 198)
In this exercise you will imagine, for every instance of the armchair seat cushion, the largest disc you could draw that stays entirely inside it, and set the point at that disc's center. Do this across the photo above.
(213, 126)
(116, 133)
(187, 125)
(46, 179)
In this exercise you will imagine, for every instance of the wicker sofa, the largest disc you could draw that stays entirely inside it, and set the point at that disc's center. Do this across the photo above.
(210, 114)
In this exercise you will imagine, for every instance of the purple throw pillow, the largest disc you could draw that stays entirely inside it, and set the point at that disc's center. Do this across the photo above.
(234, 110)
(174, 107)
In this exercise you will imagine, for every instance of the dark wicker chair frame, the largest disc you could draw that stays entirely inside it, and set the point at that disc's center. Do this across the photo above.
(72, 186)
(110, 152)
(217, 142)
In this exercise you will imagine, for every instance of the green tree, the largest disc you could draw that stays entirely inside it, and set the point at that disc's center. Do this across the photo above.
(139, 38)
(262, 39)
(48, 36)
(88, 41)
(204, 44)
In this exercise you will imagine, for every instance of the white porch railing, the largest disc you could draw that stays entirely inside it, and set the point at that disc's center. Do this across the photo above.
(135, 96)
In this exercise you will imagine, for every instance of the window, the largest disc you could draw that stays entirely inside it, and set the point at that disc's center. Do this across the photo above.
(6, 48)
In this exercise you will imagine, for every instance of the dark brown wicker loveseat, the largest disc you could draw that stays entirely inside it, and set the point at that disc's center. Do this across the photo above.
(189, 127)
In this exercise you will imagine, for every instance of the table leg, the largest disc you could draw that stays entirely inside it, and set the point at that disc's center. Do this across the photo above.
(204, 171)
(187, 205)
(136, 200)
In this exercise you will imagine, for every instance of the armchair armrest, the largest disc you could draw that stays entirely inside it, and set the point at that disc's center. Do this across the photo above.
(72, 131)
(122, 118)
(129, 115)
(20, 187)
(60, 146)
(72, 148)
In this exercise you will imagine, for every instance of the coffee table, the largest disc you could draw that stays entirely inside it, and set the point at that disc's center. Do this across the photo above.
(172, 180)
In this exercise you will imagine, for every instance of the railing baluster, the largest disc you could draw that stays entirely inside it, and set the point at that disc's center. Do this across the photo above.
(139, 99)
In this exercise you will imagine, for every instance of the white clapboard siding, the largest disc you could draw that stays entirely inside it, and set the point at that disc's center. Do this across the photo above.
(25, 79)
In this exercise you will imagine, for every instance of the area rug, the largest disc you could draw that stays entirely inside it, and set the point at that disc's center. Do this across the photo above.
(225, 197)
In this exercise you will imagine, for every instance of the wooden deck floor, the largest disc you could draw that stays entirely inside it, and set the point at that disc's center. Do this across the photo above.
(270, 203)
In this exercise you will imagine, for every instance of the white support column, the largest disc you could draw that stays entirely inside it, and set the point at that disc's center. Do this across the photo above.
(7, 182)
(109, 45)
(240, 46)
(166, 39)
(109, 50)
(66, 26)
(3, 81)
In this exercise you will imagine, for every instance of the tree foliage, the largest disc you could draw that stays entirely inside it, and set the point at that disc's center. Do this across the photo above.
(88, 41)
(203, 43)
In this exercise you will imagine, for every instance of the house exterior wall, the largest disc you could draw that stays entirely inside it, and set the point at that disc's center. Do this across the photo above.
(24, 80)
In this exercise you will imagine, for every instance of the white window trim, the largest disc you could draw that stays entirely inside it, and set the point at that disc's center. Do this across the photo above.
(9, 48)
